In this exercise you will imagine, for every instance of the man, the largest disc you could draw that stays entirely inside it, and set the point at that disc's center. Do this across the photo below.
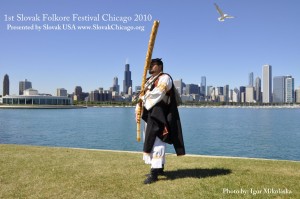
(162, 122)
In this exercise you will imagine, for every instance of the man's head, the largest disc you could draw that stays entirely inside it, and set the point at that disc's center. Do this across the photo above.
(156, 66)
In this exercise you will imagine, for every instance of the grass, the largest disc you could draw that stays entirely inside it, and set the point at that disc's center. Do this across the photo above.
(48, 172)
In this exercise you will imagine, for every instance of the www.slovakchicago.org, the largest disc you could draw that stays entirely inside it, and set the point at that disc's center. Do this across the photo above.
(113, 27)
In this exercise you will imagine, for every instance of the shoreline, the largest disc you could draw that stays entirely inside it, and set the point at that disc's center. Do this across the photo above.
(249, 107)
(129, 106)
(167, 154)
(41, 107)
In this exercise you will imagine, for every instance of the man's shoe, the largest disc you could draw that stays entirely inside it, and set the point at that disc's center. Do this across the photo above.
(152, 177)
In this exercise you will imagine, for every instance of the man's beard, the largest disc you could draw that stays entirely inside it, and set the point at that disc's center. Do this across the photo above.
(150, 71)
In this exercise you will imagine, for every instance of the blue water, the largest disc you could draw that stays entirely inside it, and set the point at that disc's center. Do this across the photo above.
(258, 133)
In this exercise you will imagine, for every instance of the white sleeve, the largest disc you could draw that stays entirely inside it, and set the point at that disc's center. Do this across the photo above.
(157, 94)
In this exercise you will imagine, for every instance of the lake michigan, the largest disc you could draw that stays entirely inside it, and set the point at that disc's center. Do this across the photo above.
(239, 132)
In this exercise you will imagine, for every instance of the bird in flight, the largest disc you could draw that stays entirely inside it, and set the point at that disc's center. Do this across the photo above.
(222, 15)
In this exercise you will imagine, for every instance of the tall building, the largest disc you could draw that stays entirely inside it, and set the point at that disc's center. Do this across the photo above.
(249, 94)
(209, 90)
(127, 82)
(297, 95)
(267, 84)
(179, 86)
(116, 86)
(61, 92)
(236, 95)
(289, 89)
(251, 78)
(226, 93)
(279, 89)
(78, 93)
(94, 96)
(258, 90)
(192, 89)
(203, 86)
(5, 85)
(219, 91)
(23, 85)
(242, 94)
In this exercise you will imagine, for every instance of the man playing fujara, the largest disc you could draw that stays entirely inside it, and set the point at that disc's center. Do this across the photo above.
(162, 122)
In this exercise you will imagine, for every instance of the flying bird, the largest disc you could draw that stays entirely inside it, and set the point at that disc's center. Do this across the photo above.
(223, 16)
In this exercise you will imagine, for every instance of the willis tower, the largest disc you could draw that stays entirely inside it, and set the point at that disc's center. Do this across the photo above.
(127, 82)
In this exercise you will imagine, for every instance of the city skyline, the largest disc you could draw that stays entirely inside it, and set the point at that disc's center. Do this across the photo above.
(190, 40)
(266, 76)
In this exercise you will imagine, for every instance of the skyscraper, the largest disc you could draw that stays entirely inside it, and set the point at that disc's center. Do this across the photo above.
(226, 93)
(203, 86)
(279, 89)
(179, 86)
(23, 85)
(192, 89)
(297, 95)
(127, 82)
(251, 78)
(267, 84)
(116, 86)
(5, 85)
(242, 94)
(258, 89)
(249, 94)
(289, 89)
(78, 93)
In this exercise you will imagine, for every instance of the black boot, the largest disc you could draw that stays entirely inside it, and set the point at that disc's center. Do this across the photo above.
(161, 170)
(152, 177)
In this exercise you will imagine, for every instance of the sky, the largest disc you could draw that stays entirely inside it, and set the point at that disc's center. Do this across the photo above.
(190, 40)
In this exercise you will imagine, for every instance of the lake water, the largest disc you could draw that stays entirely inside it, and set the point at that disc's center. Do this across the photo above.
(241, 132)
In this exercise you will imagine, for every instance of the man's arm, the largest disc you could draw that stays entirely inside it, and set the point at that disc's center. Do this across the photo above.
(157, 94)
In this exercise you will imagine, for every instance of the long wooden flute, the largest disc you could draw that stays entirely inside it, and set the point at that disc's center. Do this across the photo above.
(146, 68)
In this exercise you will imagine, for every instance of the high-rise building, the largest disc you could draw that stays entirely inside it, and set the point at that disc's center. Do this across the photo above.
(5, 85)
(297, 95)
(78, 93)
(249, 94)
(179, 86)
(289, 89)
(267, 84)
(219, 91)
(251, 78)
(94, 96)
(236, 95)
(127, 82)
(257, 89)
(279, 89)
(203, 86)
(242, 94)
(130, 91)
(192, 89)
(61, 92)
(116, 86)
(209, 90)
(226, 93)
(23, 85)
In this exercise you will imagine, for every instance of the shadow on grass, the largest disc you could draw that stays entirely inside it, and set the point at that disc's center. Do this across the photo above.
(196, 173)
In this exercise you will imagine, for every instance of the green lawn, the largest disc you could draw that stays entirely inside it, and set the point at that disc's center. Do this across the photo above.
(45, 172)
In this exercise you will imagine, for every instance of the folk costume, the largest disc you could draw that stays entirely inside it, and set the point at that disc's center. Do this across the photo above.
(162, 123)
